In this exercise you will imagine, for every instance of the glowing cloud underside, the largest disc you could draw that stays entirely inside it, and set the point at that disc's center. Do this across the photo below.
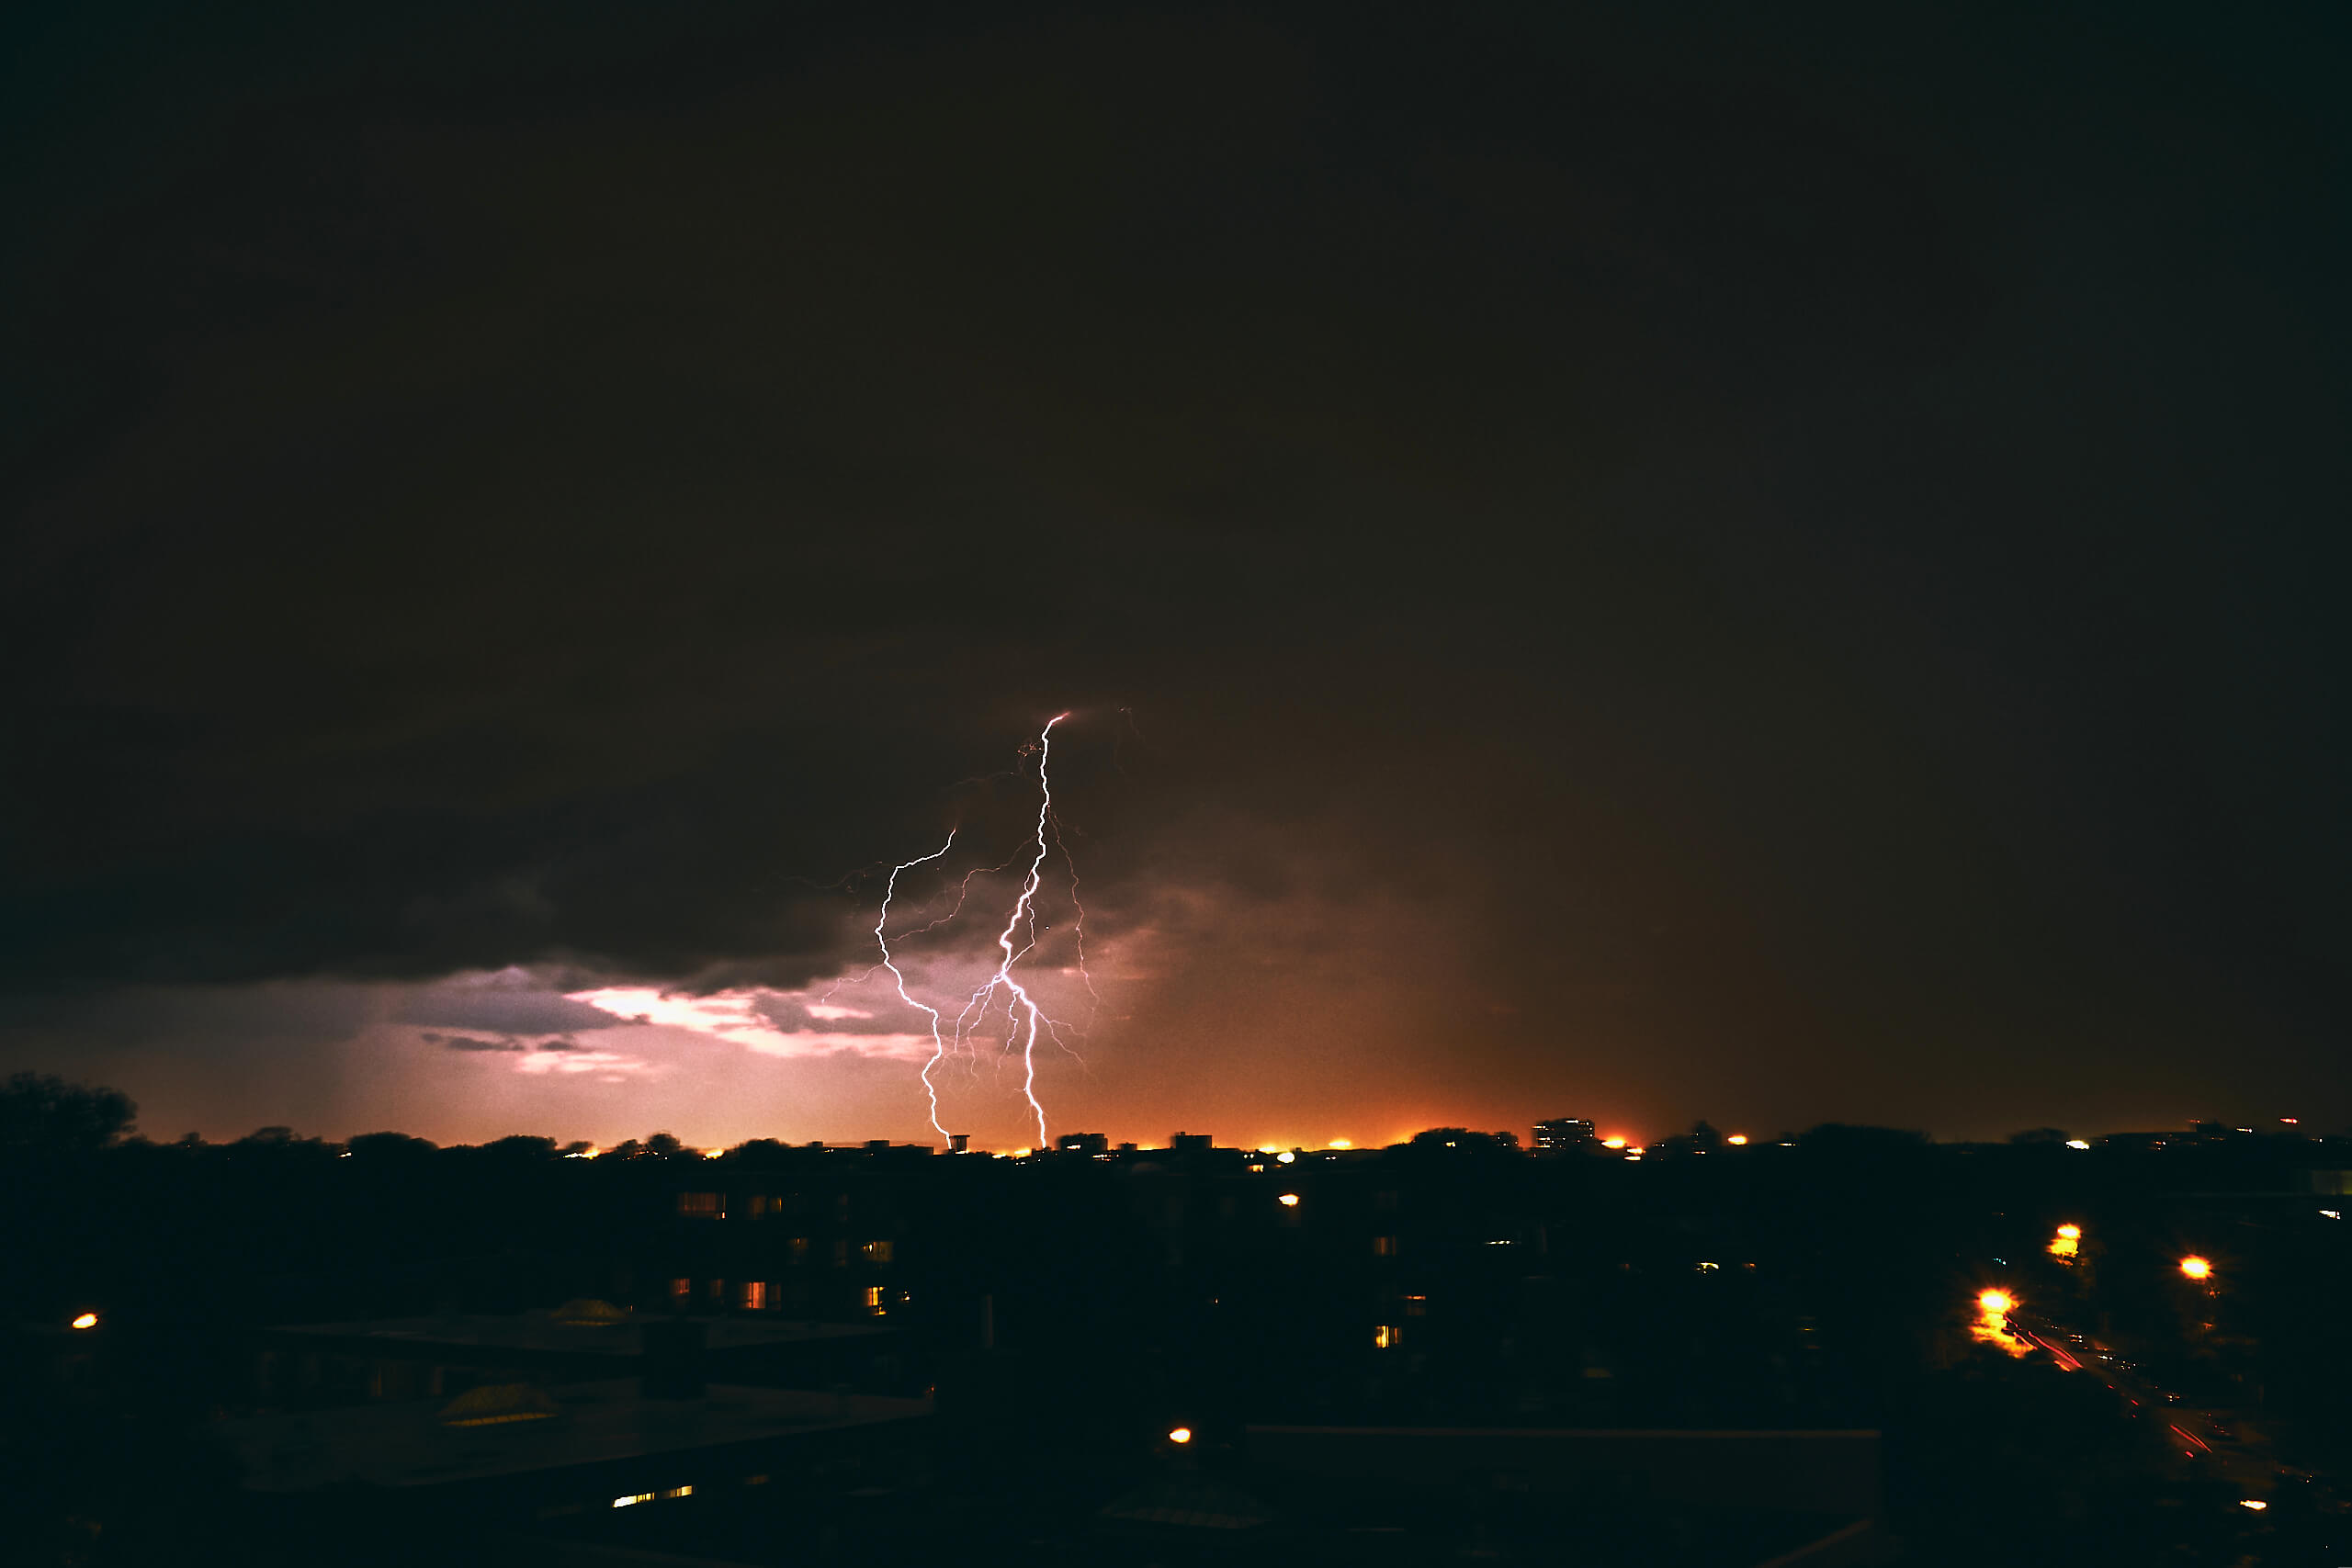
(741, 1017)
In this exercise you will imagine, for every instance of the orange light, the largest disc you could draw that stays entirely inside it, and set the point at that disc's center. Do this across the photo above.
(2070, 1232)
(2197, 1268)
(1737, 1139)
(1288, 1200)
(1613, 1143)
(87, 1320)
(1996, 1302)
(2256, 1503)
(1342, 1143)
(1180, 1434)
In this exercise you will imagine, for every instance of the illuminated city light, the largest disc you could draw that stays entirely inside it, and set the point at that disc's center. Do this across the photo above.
(1285, 1158)
(87, 1320)
(632, 1500)
(1737, 1139)
(2256, 1503)
(1342, 1143)
(2332, 1213)
(679, 1492)
(1992, 1325)
(2077, 1144)
(1288, 1200)
(1613, 1143)
(1180, 1436)
(2197, 1268)
(2067, 1243)
(2070, 1232)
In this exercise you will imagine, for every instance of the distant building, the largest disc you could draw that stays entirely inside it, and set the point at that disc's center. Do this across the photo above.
(1565, 1132)
(1084, 1143)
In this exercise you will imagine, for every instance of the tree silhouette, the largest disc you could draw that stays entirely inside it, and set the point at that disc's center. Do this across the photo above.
(41, 1113)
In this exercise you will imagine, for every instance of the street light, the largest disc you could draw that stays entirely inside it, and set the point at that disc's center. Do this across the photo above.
(1997, 1304)
(2197, 1268)
(87, 1320)
(1180, 1436)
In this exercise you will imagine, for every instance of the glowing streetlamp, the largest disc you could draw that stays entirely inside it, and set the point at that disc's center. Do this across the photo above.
(1288, 1200)
(1997, 1304)
(87, 1320)
(1736, 1140)
(2197, 1268)
(1180, 1436)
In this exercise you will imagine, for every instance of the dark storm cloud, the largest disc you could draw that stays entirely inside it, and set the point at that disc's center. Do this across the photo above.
(468, 1042)
(505, 1005)
(1806, 540)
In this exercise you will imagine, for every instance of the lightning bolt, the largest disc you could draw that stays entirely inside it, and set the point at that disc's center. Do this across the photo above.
(1025, 1016)
(1024, 913)
(938, 1045)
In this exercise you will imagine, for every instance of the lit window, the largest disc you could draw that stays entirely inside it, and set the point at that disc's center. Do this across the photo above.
(1384, 1247)
(679, 1492)
(680, 1289)
(755, 1295)
(874, 1300)
(632, 1500)
(1417, 1307)
(1386, 1337)
(879, 1251)
(702, 1205)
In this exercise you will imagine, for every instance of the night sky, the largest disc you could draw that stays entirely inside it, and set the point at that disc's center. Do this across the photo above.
(1636, 561)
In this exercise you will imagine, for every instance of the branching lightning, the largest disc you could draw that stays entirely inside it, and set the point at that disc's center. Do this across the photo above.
(938, 1045)
(1025, 1015)
(1024, 914)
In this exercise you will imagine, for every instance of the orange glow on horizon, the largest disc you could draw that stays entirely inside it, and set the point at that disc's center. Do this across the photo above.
(1613, 1143)
(1737, 1139)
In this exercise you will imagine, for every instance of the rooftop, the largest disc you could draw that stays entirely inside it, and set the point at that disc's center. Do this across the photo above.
(412, 1444)
(543, 1331)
